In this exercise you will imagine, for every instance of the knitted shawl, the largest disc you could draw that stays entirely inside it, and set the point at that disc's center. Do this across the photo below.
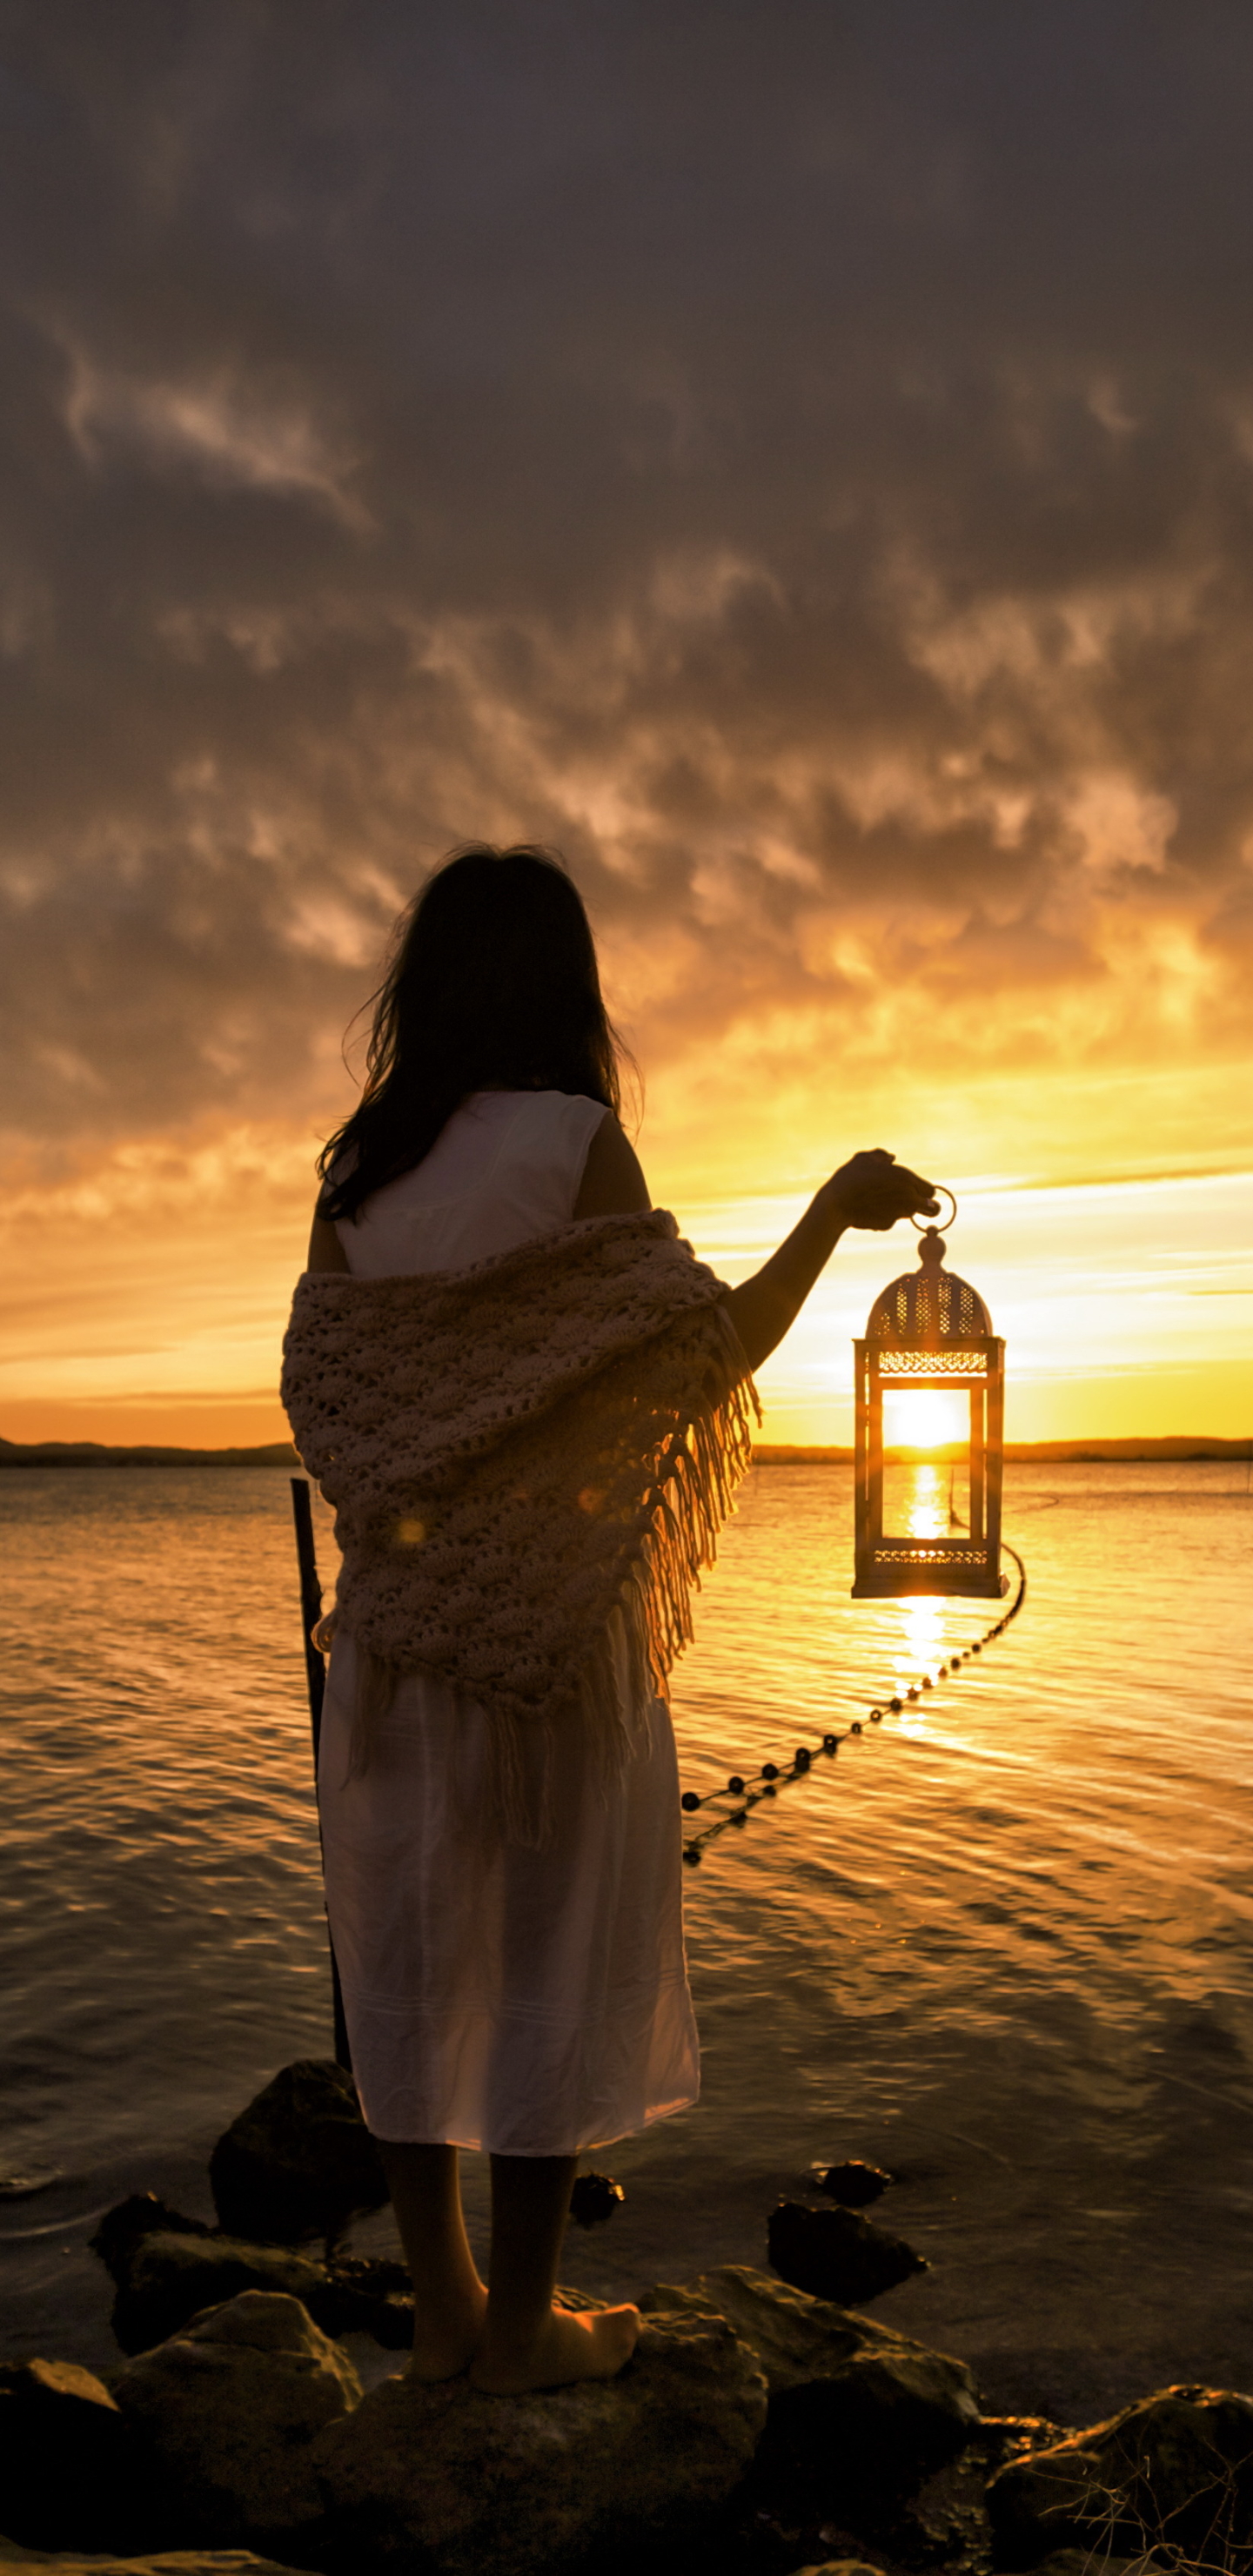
(529, 1460)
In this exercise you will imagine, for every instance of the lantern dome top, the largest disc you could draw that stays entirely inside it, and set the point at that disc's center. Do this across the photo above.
(929, 1308)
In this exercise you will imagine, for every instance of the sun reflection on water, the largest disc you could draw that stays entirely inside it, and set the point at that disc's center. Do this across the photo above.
(924, 1637)
(922, 1499)
(925, 1500)
(924, 1506)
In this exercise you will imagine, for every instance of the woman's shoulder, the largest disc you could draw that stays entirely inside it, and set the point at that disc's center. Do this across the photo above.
(556, 1129)
(531, 1121)
(570, 1109)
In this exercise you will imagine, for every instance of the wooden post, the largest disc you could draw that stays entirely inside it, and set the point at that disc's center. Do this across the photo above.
(310, 1605)
(315, 1678)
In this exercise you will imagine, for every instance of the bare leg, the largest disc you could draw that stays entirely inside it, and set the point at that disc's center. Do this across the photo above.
(449, 2300)
(526, 2342)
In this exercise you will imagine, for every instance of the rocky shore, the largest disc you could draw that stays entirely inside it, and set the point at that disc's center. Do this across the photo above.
(260, 2419)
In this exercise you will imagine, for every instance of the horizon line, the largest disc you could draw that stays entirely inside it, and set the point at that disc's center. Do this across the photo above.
(1096, 1449)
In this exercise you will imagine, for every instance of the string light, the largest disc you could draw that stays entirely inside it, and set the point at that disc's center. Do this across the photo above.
(749, 1789)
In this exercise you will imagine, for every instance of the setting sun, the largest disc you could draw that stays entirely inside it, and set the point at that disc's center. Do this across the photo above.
(924, 1418)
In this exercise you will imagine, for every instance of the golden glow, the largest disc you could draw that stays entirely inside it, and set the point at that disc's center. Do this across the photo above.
(148, 1299)
(145, 1298)
(1126, 1306)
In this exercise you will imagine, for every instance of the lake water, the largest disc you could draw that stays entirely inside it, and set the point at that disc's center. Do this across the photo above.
(1003, 1945)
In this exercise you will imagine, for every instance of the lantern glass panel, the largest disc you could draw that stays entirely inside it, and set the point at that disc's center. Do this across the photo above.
(926, 1461)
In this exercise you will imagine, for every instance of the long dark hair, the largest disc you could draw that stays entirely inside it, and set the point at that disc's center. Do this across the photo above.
(491, 985)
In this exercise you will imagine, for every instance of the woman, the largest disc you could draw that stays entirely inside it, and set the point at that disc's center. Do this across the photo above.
(527, 1401)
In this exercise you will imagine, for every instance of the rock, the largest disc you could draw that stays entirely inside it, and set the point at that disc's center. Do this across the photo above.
(842, 2567)
(170, 2279)
(364, 2295)
(1079, 2562)
(122, 2229)
(455, 2483)
(70, 2473)
(164, 2278)
(1174, 2471)
(853, 2184)
(1011, 2436)
(228, 2410)
(177, 2562)
(299, 2161)
(837, 2255)
(594, 2199)
(856, 2408)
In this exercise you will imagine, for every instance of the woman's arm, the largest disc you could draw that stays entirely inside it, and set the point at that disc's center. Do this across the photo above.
(326, 1252)
(874, 1191)
(612, 1183)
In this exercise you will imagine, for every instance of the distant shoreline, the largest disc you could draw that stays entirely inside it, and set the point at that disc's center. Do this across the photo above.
(1181, 1449)
(94, 1453)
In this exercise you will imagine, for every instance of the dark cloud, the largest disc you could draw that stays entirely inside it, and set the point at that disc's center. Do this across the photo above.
(798, 458)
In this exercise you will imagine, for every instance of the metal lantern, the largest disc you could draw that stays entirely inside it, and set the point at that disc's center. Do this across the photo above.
(930, 1330)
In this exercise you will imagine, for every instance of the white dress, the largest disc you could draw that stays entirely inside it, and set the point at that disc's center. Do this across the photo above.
(530, 2002)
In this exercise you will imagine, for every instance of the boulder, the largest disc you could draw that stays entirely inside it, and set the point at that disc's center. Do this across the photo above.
(176, 2562)
(170, 2279)
(299, 2161)
(167, 2269)
(71, 2476)
(228, 2410)
(860, 2410)
(454, 2482)
(837, 2255)
(1174, 2471)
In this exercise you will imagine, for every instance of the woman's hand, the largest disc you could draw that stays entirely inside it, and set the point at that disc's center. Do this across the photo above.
(873, 1192)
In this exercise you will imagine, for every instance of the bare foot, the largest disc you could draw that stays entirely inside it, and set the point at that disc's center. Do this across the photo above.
(442, 2348)
(592, 2344)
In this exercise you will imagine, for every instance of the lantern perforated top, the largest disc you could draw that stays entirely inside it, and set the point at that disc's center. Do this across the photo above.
(929, 1308)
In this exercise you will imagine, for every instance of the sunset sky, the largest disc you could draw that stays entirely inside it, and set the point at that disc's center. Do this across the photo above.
(795, 457)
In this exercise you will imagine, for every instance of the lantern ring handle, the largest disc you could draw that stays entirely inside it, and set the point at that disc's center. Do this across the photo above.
(920, 1224)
